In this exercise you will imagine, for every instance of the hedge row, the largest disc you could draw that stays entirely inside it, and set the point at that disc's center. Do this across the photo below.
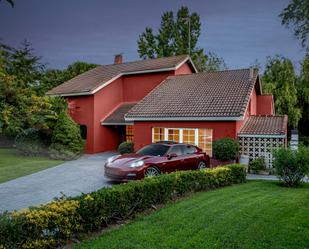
(51, 225)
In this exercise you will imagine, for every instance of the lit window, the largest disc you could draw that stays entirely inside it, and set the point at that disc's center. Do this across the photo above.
(173, 135)
(129, 133)
(200, 137)
(158, 134)
(188, 136)
(205, 140)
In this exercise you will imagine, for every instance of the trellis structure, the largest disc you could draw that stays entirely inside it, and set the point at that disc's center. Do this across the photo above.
(260, 146)
(261, 135)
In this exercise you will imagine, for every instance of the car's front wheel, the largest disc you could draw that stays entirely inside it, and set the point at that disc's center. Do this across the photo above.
(152, 171)
(201, 165)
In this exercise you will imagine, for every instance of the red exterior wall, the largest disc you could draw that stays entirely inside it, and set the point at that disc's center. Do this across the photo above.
(265, 105)
(136, 87)
(184, 69)
(90, 110)
(143, 130)
(82, 112)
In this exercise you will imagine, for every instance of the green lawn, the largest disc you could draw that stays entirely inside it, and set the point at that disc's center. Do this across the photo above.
(13, 165)
(259, 214)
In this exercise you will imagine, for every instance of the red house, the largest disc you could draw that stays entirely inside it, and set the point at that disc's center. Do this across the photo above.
(167, 99)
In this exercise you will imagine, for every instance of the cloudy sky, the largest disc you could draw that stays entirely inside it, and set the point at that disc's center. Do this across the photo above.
(63, 31)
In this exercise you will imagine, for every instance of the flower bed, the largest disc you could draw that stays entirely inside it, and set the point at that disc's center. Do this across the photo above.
(51, 225)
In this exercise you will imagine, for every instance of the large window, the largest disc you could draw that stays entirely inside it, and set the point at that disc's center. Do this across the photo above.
(200, 137)
(205, 140)
(173, 135)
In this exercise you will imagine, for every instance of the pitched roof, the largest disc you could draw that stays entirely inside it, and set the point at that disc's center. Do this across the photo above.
(202, 96)
(265, 125)
(117, 116)
(94, 79)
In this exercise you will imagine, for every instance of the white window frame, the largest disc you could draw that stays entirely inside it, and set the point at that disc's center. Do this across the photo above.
(181, 133)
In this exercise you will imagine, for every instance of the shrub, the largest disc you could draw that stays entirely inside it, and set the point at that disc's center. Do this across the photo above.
(52, 224)
(30, 142)
(66, 139)
(126, 147)
(257, 165)
(291, 165)
(226, 149)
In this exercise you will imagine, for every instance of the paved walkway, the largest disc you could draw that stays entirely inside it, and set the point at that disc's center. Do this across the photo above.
(71, 178)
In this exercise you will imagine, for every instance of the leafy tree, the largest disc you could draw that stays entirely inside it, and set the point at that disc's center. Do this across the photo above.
(279, 79)
(52, 78)
(214, 63)
(11, 2)
(303, 97)
(296, 16)
(177, 35)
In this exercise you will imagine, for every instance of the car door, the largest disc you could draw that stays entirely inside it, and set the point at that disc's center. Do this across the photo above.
(190, 157)
(174, 163)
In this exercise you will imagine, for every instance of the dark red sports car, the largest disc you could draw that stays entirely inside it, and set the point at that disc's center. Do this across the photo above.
(153, 159)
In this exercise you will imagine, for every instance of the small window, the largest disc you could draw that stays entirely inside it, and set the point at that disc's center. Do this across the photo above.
(189, 149)
(129, 133)
(158, 134)
(83, 131)
(176, 150)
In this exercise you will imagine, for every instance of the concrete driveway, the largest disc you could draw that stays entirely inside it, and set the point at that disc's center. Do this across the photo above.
(71, 178)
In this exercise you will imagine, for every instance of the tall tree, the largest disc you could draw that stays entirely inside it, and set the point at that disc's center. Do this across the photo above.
(177, 35)
(296, 16)
(303, 97)
(279, 79)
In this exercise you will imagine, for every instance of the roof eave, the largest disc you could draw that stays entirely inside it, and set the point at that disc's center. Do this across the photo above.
(184, 118)
(263, 135)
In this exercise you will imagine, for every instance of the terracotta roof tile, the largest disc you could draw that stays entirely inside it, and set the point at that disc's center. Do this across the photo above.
(92, 79)
(202, 95)
(265, 125)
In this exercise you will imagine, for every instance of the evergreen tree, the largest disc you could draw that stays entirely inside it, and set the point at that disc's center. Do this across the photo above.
(279, 79)
(178, 35)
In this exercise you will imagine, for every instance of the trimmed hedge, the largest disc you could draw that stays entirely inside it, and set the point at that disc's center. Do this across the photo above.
(53, 224)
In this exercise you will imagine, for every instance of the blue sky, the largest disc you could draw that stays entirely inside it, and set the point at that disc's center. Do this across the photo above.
(62, 32)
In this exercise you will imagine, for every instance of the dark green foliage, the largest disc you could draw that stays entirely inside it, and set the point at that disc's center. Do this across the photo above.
(226, 149)
(279, 79)
(66, 140)
(126, 147)
(291, 165)
(62, 219)
(173, 38)
(32, 142)
(296, 16)
(257, 165)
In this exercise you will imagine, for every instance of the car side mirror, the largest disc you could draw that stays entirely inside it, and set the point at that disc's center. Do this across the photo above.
(170, 156)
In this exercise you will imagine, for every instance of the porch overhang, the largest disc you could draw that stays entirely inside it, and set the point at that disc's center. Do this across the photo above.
(116, 117)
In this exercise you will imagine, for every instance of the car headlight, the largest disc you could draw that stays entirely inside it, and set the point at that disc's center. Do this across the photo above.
(137, 164)
(110, 159)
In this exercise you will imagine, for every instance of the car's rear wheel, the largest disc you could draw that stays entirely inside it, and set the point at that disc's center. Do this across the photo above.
(201, 165)
(152, 171)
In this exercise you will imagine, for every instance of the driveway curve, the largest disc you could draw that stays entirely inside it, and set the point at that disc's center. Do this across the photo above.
(72, 178)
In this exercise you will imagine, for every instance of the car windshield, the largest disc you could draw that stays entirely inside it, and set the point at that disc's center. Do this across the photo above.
(153, 150)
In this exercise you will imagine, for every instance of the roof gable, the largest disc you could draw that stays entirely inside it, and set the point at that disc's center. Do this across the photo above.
(222, 95)
(95, 79)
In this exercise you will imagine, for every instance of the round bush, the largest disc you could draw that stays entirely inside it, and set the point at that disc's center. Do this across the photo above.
(291, 165)
(226, 149)
(126, 148)
(257, 165)
(31, 142)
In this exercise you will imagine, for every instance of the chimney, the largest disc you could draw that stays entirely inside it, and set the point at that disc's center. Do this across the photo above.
(251, 73)
(118, 59)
